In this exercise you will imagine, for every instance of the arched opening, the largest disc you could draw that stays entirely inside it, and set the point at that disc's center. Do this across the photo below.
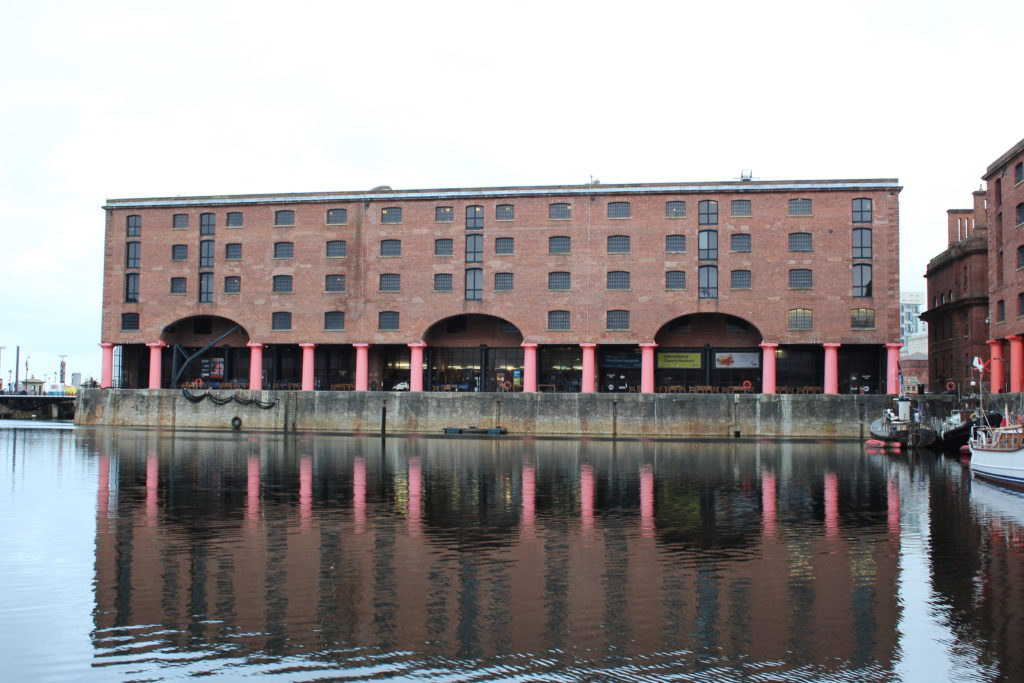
(473, 352)
(708, 353)
(205, 348)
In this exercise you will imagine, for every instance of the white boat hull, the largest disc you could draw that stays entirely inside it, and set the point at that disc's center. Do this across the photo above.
(998, 455)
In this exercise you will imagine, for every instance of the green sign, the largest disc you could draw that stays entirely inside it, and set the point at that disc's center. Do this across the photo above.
(680, 360)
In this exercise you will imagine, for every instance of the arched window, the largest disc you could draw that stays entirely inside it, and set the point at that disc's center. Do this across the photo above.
(800, 319)
(862, 242)
(707, 284)
(707, 245)
(862, 280)
(707, 211)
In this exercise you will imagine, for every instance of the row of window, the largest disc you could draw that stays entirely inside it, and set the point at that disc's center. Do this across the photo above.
(797, 319)
(616, 244)
(707, 213)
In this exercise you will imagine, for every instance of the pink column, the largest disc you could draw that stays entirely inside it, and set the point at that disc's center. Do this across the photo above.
(996, 365)
(892, 368)
(362, 367)
(305, 491)
(152, 487)
(415, 500)
(307, 366)
(646, 501)
(589, 369)
(155, 358)
(529, 368)
(416, 366)
(769, 515)
(768, 368)
(107, 369)
(831, 368)
(1016, 363)
(647, 367)
(529, 515)
(255, 366)
(831, 504)
(359, 494)
(252, 491)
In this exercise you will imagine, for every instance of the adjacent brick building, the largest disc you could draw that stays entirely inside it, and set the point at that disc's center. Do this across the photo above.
(958, 300)
(771, 286)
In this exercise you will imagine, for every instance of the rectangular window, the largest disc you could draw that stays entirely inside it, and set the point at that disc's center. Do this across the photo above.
(707, 245)
(205, 288)
(619, 210)
(862, 319)
(618, 244)
(1001, 311)
(284, 218)
(559, 281)
(675, 279)
(284, 250)
(558, 320)
(206, 254)
(444, 214)
(129, 321)
(862, 243)
(337, 216)
(232, 252)
(505, 212)
(618, 279)
(740, 242)
(675, 209)
(391, 247)
(334, 283)
(675, 244)
(178, 285)
(800, 241)
(474, 248)
(474, 284)
(617, 320)
(862, 211)
(131, 288)
(232, 284)
(708, 212)
(133, 226)
(390, 282)
(442, 282)
(503, 282)
(707, 285)
(740, 279)
(560, 211)
(179, 252)
(474, 218)
(280, 320)
(133, 255)
(234, 219)
(799, 207)
(503, 246)
(1018, 172)
(337, 249)
(800, 319)
(282, 283)
(334, 320)
(207, 223)
(391, 214)
(443, 247)
(800, 278)
(740, 207)
(559, 245)
(180, 220)
(387, 320)
(862, 280)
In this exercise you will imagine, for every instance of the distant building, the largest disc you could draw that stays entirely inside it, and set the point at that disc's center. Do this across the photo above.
(957, 299)
(910, 310)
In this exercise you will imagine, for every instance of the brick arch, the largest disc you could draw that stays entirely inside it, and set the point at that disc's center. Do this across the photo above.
(471, 329)
(199, 330)
(707, 328)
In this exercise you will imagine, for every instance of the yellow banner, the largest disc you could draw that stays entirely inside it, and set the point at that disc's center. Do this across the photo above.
(686, 360)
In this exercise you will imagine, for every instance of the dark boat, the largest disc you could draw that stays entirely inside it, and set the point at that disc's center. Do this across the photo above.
(903, 426)
(956, 429)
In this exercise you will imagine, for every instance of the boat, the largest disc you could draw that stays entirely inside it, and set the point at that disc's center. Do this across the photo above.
(955, 429)
(997, 454)
(903, 426)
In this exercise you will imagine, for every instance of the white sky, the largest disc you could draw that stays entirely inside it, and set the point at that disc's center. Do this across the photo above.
(141, 99)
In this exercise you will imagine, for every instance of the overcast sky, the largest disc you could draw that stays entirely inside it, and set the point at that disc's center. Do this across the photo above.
(140, 99)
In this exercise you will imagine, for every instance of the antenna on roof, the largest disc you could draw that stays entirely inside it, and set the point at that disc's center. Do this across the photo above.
(594, 181)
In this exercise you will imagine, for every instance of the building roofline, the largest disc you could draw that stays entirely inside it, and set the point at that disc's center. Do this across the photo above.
(386, 193)
(1001, 161)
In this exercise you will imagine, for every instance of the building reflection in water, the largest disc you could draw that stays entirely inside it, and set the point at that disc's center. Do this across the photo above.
(693, 556)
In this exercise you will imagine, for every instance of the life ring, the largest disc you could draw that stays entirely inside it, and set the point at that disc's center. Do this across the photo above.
(747, 384)
(507, 386)
(236, 423)
(951, 385)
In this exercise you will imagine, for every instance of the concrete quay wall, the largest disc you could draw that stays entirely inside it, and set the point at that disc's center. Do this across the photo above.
(628, 415)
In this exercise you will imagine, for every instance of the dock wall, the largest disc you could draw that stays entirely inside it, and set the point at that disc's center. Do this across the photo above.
(628, 415)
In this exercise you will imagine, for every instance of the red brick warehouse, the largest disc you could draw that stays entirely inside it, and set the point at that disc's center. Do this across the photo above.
(748, 285)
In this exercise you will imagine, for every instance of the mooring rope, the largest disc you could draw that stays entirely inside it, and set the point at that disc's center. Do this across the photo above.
(242, 400)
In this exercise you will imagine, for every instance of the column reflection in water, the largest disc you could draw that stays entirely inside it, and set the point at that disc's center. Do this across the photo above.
(647, 501)
(527, 514)
(305, 491)
(152, 486)
(359, 494)
(831, 505)
(415, 499)
(587, 502)
(768, 503)
(252, 489)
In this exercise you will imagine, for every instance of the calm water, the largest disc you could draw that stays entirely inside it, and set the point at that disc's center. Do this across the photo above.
(147, 555)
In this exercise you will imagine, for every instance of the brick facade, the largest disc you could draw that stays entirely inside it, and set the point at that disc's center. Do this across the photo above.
(623, 240)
